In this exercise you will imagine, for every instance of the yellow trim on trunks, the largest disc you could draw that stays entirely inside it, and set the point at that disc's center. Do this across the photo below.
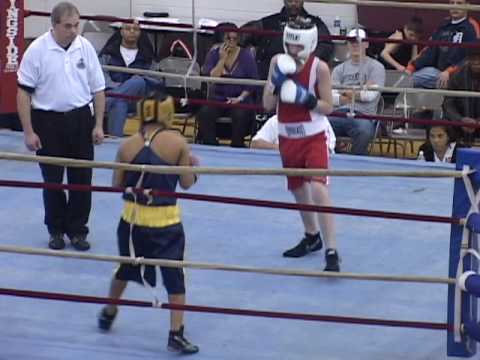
(151, 216)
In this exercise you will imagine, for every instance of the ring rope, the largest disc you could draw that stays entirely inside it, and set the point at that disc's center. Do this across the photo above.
(251, 82)
(272, 33)
(226, 311)
(344, 38)
(225, 267)
(371, 3)
(384, 118)
(184, 170)
(402, 4)
(243, 201)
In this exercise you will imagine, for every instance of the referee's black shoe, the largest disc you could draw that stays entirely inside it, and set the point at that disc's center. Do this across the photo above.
(308, 244)
(56, 242)
(80, 242)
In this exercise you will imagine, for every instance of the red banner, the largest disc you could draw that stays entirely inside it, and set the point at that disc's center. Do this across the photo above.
(11, 51)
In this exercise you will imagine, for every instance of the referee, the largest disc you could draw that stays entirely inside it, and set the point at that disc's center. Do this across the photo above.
(58, 78)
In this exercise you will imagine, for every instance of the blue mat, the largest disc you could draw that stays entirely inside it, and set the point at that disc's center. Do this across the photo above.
(231, 234)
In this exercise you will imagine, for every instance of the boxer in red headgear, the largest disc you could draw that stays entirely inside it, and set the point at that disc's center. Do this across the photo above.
(299, 86)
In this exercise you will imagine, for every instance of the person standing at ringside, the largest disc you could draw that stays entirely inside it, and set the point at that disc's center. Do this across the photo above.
(299, 85)
(151, 225)
(58, 79)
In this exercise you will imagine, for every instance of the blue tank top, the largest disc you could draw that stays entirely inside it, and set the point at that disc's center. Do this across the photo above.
(163, 182)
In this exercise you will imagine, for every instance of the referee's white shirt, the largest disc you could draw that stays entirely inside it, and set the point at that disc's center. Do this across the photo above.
(62, 80)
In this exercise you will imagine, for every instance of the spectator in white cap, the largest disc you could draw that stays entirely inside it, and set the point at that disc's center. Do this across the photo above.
(358, 70)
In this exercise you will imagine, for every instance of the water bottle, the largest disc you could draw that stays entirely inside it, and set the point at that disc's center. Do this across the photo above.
(337, 25)
(421, 156)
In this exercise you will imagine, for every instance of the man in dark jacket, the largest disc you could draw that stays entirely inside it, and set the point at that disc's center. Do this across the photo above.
(435, 64)
(465, 109)
(267, 45)
(130, 50)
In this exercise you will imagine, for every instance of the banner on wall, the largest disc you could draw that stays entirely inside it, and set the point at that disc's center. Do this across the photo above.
(11, 50)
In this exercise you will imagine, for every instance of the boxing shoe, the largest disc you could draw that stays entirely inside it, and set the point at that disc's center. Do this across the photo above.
(332, 260)
(308, 244)
(105, 320)
(178, 343)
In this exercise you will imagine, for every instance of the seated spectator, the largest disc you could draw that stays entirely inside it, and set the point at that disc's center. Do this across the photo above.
(268, 46)
(435, 64)
(358, 70)
(126, 51)
(267, 136)
(228, 60)
(396, 56)
(465, 109)
(441, 145)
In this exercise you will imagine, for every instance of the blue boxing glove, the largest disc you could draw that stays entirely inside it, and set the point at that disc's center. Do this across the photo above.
(293, 93)
(284, 67)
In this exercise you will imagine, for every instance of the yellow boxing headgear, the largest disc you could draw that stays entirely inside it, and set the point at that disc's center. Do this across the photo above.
(158, 108)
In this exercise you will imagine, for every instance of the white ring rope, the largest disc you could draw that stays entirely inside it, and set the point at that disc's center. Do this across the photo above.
(183, 170)
(218, 80)
(225, 267)
(464, 250)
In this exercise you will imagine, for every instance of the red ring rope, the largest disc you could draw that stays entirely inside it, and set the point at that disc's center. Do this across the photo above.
(227, 311)
(240, 201)
(105, 18)
(384, 118)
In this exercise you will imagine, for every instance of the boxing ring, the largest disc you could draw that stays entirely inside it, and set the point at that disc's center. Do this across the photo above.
(230, 234)
(331, 316)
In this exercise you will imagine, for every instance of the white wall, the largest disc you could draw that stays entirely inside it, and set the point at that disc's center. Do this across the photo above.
(237, 11)
(35, 25)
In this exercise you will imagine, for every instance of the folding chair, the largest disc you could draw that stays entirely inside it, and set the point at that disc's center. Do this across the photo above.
(407, 104)
(228, 120)
(176, 87)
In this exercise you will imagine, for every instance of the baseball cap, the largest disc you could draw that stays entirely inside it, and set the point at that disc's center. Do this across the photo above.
(357, 32)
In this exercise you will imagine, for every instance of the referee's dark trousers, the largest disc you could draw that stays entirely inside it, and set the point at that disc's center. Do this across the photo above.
(66, 134)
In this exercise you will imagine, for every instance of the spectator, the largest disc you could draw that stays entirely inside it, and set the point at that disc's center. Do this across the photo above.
(268, 46)
(434, 65)
(126, 51)
(229, 60)
(441, 145)
(396, 56)
(358, 70)
(465, 109)
(267, 136)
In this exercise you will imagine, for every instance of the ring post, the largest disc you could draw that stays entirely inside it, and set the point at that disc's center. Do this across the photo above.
(462, 307)
(11, 51)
